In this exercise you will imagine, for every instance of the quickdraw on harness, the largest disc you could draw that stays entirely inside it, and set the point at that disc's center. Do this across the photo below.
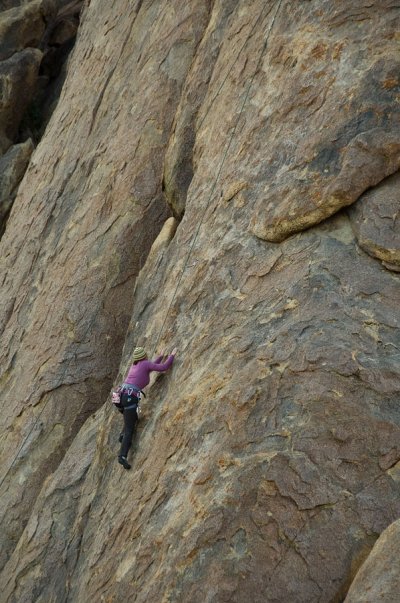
(135, 394)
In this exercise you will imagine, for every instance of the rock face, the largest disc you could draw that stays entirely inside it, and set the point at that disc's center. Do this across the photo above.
(265, 465)
(376, 222)
(24, 26)
(78, 238)
(12, 168)
(336, 126)
(35, 39)
(22, 29)
(379, 577)
(18, 77)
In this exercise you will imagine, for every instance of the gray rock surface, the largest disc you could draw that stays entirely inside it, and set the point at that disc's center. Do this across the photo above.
(18, 77)
(24, 26)
(12, 168)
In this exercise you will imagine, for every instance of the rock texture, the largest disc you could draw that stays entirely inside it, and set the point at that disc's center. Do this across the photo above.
(24, 26)
(35, 40)
(265, 465)
(379, 577)
(376, 221)
(18, 77)
(12, 168)
(80, 234)
(336, 126)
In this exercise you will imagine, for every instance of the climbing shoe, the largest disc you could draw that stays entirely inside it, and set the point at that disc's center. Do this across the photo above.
(121, 437)
(122, 461)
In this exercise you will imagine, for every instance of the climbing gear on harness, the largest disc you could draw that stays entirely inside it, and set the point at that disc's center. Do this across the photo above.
(122, 461)
(116, 400)
(128, 388)
(132, 391)
(139, 353)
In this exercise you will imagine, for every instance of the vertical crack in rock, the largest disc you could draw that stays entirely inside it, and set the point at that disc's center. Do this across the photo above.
(87, 233)
(266, 461)
(178, 169)
(45, 31)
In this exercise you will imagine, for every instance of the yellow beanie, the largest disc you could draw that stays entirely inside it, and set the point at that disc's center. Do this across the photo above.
(139, 354)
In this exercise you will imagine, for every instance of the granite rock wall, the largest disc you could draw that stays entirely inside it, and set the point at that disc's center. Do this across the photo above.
(265, 465)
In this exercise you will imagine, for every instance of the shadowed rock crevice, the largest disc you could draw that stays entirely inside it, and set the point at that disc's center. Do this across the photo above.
(179, 160)
(56, 43)
(35, 40)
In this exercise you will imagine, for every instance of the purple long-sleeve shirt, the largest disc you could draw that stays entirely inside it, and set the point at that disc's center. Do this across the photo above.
(139, 374)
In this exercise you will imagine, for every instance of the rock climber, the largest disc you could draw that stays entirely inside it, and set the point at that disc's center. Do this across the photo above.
(137, 378)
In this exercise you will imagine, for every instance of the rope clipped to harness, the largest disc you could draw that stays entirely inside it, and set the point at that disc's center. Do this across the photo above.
(133, 392)
(116, 394)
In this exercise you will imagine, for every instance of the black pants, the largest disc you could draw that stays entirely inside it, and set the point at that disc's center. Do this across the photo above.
(130, 420)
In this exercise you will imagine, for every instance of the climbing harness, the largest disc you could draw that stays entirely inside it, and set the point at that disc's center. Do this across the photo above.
(202, 218)
(133, 392)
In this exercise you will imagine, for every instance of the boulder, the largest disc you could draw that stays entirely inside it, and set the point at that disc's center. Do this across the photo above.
(379, 577)
(24, 26)
(66, 24)
(18, 78)
(376, 221)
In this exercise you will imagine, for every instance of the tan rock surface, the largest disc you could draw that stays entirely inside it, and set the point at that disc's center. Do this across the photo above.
(322, 121)
(264, 466)
(261, 470)
(326, 110)
(83, 222)
(376, 221)
(379, 577)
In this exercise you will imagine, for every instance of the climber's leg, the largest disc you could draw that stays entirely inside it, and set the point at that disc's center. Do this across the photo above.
(130, 418)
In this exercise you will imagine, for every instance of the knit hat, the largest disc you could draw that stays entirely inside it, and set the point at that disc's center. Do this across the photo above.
(139, 354)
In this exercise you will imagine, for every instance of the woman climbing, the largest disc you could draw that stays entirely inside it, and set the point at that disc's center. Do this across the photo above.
(137, 378)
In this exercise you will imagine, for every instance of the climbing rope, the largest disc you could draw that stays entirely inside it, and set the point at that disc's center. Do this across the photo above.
(256, 21)
(235, 60)
(264, 47)
(231, 138)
